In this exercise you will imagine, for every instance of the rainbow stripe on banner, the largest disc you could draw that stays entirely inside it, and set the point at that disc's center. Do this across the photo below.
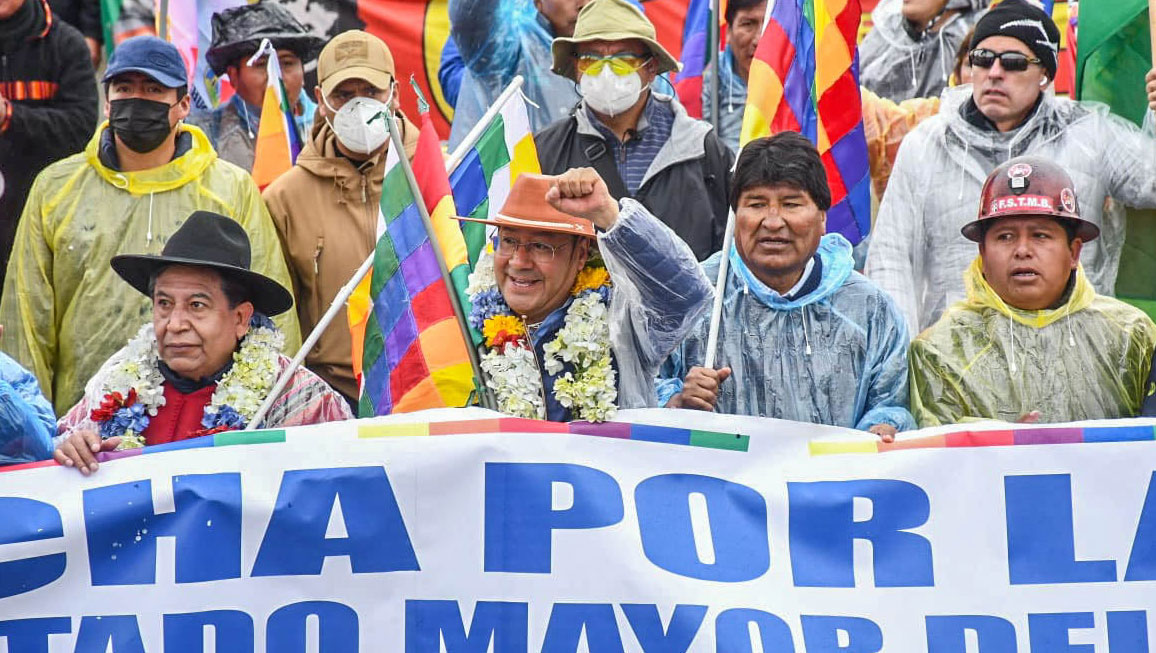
(996, 438)
(805, 78)
(617, 430)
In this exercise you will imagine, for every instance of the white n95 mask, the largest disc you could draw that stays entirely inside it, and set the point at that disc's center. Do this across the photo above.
(611, 94)
(357, 125)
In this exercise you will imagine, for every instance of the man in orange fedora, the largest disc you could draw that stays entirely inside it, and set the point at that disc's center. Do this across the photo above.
(582, 300)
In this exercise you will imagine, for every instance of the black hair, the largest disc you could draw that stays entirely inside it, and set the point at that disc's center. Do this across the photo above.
(735, 6)
(1070, 228)
(235, 292)
(785, 158)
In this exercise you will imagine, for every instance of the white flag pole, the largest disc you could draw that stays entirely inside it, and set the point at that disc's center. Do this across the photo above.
(720, 288)
(334, 308)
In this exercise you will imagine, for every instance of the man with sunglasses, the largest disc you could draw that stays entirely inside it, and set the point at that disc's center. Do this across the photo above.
(917, 253)
(642, 143)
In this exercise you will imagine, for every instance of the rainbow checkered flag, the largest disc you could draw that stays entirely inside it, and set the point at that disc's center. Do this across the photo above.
(412, 353)
(805, 78)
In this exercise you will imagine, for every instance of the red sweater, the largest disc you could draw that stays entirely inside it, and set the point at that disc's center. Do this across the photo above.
(180, 417)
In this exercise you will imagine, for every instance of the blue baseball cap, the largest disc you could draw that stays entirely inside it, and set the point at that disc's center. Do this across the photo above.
(150, 56)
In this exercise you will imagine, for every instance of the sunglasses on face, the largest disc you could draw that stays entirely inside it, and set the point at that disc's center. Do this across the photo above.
(1011, 61)
(620, 64)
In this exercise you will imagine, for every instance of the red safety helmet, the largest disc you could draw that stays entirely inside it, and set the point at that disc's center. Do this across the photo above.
(1029, 186)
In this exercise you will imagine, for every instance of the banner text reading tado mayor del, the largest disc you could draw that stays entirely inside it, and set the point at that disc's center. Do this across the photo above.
(490, 536)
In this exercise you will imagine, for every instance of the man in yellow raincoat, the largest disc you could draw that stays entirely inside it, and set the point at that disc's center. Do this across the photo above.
(64, 310)
(1032, 341)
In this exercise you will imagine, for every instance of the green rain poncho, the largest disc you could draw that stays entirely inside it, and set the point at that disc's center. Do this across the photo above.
(1087, 359)
(64, 310)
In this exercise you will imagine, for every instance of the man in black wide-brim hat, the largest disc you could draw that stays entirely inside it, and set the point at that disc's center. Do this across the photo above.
(207, 361)
(237, 35)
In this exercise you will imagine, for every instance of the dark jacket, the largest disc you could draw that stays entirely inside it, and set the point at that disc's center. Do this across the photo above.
(84, 15)
(686, 186)
(46, 75)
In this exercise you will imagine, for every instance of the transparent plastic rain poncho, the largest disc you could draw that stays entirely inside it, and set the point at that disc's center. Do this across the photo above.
(659, 294)
(917, 253)
(64, 309)
(836, 355)
(896, 66)
(1087, 359)
(27, 423)
(499, 39)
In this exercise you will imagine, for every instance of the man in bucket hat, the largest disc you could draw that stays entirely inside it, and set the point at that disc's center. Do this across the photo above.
(1032, 341)
(206, 362)
(641, 142)
(237, 34)
(581, 301)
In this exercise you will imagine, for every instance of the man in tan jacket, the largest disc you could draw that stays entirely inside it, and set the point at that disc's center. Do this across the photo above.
(325, 207)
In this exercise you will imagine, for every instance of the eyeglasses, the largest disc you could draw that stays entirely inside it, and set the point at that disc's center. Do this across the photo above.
(539, 252)
(620, 64)
(1011, 61)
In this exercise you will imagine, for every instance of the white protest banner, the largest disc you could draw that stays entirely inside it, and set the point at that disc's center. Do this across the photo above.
(712, 533)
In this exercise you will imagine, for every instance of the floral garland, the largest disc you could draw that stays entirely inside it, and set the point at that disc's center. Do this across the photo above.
(589, 389)
(133, 390)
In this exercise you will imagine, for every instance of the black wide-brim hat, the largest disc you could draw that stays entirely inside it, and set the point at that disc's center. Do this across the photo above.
(238, 31)
(208, 240)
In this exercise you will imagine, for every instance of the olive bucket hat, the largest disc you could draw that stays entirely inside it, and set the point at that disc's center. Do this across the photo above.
(609, 20)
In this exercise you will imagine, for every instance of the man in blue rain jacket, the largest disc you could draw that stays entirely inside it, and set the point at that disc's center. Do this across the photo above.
(802, 337)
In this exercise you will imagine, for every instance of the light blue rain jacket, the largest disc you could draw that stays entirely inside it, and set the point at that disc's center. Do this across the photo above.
(836, 355)
(499, 39)
(27, 422)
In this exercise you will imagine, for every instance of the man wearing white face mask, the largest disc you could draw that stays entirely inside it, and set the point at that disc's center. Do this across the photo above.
(642, 143)
(325, 207)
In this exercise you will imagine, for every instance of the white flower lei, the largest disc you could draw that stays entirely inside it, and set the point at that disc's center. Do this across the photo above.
(590, 390)
(235, 400)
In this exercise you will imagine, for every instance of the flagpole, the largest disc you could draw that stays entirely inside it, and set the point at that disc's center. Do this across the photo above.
(459, 313)
(163, 20)
(1152, 28)
(712, 44)
(720, 288)
(720, 284)
(337, 306)
(479, 128)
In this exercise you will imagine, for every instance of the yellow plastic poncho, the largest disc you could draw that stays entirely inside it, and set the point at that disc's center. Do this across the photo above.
(64, 309)
(1087, 359)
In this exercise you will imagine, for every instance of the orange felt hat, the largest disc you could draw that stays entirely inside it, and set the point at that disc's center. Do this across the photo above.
(526, 208)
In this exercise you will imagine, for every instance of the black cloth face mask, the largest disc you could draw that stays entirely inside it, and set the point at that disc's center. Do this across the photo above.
(141, 124)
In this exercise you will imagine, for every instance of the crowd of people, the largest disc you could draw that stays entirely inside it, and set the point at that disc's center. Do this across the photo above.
(152, 292)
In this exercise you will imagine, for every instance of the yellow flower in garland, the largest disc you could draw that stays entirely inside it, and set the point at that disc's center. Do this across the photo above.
(590, 278)
(502, 328)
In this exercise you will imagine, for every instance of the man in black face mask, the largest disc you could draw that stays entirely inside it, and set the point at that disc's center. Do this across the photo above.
(140, 176)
